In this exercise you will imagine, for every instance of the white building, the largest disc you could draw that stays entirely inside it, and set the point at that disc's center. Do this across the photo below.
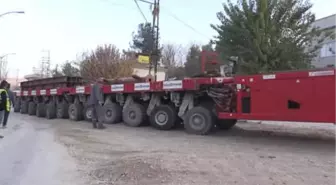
(326, 57)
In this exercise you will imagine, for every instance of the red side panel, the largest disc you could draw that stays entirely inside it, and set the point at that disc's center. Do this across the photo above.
(300, 96)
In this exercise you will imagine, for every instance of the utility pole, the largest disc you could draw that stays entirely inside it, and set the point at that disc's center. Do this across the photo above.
(45, 64)
(3, 65)
(155, 54)
(17, 77)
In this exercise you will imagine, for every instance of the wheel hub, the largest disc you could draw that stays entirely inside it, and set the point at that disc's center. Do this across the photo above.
(132, 115)
(89, 113)
(59, 112)
(198, 121)
(108, 113)
(161, 118)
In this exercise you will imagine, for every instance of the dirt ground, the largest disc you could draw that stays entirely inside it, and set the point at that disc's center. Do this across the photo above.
(252, 153)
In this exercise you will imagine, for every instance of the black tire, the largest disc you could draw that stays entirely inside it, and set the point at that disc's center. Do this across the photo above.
(17, 106)
(40, 110)
(62, 111)
(206, 120)
(51, 111)
(87, 113)
(24, 107)
(31, 108)
(75, 112)
(226, 124)
(163, 117)
(112, 113)
(134, 115)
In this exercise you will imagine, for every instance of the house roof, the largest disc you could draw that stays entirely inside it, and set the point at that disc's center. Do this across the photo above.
(326, 22)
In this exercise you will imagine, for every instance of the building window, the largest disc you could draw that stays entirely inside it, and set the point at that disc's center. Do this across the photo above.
(328, 50)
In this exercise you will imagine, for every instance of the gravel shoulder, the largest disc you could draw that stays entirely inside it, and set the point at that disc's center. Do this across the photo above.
(252, 153)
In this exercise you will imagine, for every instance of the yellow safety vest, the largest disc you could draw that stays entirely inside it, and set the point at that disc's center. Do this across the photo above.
(7, 100)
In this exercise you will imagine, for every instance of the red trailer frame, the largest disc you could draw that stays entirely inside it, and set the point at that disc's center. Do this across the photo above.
(304, 96)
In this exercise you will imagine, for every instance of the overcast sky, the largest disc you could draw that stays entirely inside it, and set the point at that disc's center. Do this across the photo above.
(68, 27)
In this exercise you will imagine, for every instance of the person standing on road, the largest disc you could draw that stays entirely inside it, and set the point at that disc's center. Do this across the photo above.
(4, 103)
(96, 101)
(10, 95)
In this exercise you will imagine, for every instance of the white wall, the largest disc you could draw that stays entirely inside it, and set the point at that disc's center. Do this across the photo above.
(144, 72)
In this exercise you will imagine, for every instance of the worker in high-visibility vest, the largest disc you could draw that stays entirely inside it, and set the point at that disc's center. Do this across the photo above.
(10, 96)
(4, 102)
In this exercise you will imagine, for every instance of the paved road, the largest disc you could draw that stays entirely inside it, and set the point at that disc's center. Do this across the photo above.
(28, 153)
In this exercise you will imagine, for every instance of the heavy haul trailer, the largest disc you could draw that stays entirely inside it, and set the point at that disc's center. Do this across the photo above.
(165, 103)
(200, 104)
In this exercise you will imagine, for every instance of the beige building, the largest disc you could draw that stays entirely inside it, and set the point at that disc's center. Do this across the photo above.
(142, 70)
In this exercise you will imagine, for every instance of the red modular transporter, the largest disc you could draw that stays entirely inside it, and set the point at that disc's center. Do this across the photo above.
(200, 104)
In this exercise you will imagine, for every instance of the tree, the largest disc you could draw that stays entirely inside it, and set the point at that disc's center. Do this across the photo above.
(105, 61)
(128, 54)
(69, 69)
(3, 69)
(171, 59)
(268, 35)
(143, 39)
(169, 54)
(56, 72)
(193, 63)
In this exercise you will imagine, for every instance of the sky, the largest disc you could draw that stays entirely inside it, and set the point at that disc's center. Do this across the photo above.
(68, 27)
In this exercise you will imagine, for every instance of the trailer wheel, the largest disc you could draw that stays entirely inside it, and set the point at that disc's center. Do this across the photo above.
(76, 112)
(199, 120)
(24, 107)
(134, 115)
(226, 124)
(62, 110)
(40, 110)
(17, 106)
(31, 108)
(163, 117)
(112, 113)
(87, 112)
(51, 111)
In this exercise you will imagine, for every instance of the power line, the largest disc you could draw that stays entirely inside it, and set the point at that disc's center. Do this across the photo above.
(184, 23)
(148, 2)
(155, 30)
(143, 15)
(168, 13)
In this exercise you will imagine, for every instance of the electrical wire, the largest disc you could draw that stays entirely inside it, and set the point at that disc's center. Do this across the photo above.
(143, 15)
(117, 4)
(183, 22)
(148, 2)
(170, 13)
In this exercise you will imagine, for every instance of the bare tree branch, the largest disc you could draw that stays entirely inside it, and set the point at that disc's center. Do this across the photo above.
(105, 61)
(172, 59)
(3, 69)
